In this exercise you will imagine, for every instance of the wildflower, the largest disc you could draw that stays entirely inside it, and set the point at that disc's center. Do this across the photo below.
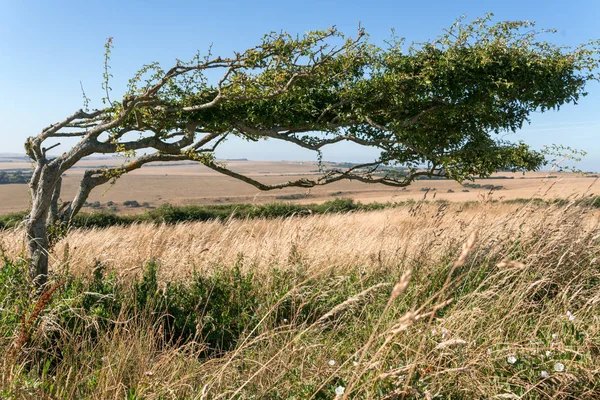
(554, 336)
(545, 374)
(511, 360)
(548, 353)
(354, 363)
(331, 363)
(559, 367)
(339, 391)
(433, 332)
(285, 320)
(571, 316)
(489, 351)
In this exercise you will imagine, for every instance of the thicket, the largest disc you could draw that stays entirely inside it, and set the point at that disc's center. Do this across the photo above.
(171, 214)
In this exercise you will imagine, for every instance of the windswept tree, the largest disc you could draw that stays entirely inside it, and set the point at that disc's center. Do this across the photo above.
(434, 109)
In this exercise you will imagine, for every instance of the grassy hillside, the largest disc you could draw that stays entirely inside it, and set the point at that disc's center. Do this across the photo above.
(423, 300)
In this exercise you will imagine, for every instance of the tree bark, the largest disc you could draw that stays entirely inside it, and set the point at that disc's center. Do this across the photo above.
(43, 190)
(53, 215)
(37, 235)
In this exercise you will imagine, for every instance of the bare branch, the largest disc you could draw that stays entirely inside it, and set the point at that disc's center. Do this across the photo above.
(286, 134)
(79, 114)
(44, 150)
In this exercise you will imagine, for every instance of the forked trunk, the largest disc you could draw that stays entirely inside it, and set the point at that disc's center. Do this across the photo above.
(43, 190)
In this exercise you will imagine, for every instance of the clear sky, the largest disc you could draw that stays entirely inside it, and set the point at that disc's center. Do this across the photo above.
(48, 47)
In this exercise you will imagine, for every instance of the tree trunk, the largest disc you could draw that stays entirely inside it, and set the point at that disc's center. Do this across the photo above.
(37, 235)
(42, 193)
(53, 214)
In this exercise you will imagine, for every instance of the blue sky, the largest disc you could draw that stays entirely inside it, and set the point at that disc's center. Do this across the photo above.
(48, 47)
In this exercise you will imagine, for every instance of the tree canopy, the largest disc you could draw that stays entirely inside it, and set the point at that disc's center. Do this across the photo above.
(433, 109)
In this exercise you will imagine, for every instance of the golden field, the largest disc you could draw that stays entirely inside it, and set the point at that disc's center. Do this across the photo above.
(185, 184)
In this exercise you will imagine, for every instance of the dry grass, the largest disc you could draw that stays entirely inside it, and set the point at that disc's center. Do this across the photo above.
(527, 288)
(324, 242)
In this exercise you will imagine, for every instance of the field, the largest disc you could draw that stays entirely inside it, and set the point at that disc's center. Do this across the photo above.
(185, 184)
(428, 300)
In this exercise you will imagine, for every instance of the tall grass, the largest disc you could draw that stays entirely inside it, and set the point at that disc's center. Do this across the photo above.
(431, 301)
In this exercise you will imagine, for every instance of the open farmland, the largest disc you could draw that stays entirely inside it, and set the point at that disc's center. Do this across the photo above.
(191, 183)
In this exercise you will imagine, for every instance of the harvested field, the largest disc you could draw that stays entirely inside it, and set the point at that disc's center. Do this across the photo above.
(187, 184)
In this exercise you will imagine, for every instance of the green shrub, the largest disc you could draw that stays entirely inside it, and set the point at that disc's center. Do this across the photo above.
(294, 196)
(12, 219)
(131, 203)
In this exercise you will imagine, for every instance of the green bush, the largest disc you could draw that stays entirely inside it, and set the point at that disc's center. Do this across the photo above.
(486, 186)
(11, 220)
(131, 203)
(217, 309)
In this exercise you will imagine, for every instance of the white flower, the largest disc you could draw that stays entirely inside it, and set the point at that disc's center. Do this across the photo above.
(331, 362)
(489, 351)
(545, 374)
(554, 336)
(340, 390)
(571, 316)
(511, 360)
(559, 367)
(354, 363)
(285, 320)
(548, 353)
(433, 332)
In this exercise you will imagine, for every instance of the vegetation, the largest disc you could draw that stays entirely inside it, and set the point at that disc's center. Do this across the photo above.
(171, 214)
(131, 203)
(296, 196)
(168, 213)
(479, 186)
(433, 109)
(507, 311)
(14, 176)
